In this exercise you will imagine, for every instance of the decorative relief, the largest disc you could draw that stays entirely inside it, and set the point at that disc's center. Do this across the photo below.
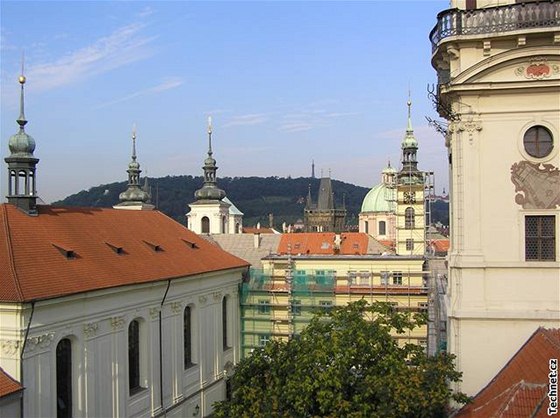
(117, 322)
(468, 126)
(217, 295)
(154, 313)
(537, 69)
(90, 329)
(39, 341)
(10, 348)
(202, 299)
(176, 307)
(537, 185)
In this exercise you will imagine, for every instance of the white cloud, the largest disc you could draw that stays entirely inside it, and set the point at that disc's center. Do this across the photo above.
(296, 127)
(166, 84)
(124, 46)
(247, 120)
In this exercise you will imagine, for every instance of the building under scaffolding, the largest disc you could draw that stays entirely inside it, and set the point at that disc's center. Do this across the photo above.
(279, 300)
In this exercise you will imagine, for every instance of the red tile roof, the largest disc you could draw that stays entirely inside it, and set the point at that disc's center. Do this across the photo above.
(66, 250)
(520, 389)
(322, 243)
(440, 245)
(7, 384)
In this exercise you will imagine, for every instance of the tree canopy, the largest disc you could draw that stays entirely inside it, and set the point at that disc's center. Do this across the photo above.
(345, 363)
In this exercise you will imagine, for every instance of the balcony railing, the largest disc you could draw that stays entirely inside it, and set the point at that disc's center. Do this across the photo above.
(494, 20)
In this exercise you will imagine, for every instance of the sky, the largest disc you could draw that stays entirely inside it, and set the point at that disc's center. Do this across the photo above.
(285, 82)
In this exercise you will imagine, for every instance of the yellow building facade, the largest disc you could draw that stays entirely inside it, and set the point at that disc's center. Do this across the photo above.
(279, 300)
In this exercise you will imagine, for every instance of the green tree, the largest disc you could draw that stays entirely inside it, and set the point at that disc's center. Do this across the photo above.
(344, 364)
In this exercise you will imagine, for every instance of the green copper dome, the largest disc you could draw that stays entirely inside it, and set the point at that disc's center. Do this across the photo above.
(378, 199)
(21, 144)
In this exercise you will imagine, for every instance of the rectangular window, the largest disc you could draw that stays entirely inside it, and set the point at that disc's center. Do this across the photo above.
(409, 244)
(540, 239)
(263, 340)
(264, 307)
(296, 307)
(325, 305)
(397, 277)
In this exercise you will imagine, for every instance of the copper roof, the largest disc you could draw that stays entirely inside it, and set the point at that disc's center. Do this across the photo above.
(67, 250)
(520, 389)
(7, 384)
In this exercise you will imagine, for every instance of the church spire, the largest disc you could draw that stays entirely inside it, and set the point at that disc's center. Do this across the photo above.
(409, 146)
(134, 195)
(209, 189)
(21, 162)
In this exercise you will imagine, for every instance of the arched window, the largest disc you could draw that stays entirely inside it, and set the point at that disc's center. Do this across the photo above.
(382, 228)
(64, 378)
(225, 323)
(366, 227)
(187, 337)
(237, 228)
(205, 225)
(409, 218)
(134, 357)
(224, 223)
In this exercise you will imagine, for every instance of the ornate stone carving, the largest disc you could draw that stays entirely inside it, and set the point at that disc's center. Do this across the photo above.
(537, 185)
(10, 348)
(537, 69)
(117, 322)
(176, 307)
(217, 295)
(39, 341)
(202, 299)
(154, 313)
(90, 329)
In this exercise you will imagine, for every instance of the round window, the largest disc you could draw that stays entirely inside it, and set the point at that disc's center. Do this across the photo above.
(538, 141)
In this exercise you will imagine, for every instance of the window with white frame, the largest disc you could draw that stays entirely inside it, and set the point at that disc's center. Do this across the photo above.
(264, 307)
(263, 339)
(397, 277)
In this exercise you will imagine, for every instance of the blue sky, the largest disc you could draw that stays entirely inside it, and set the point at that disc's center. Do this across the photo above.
(285, 82)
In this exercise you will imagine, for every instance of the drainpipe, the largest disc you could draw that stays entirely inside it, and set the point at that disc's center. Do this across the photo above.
(21, 356)
(161, 348)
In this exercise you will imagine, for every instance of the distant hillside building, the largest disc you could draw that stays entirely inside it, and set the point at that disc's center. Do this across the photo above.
(323, 216)
(212, 212)
(498, 68)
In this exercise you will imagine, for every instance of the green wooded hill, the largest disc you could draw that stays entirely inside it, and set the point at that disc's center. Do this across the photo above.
(256, 197)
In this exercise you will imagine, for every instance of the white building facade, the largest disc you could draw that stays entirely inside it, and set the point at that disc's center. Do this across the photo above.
(498, 68)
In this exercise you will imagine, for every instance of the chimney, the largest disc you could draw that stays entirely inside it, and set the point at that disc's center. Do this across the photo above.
(257, 240)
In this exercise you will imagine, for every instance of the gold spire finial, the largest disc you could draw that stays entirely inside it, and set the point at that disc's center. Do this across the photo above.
(209, 124)
(21, 78)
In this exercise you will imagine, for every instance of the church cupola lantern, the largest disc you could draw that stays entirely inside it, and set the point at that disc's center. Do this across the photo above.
(209, 189)
(22, 181)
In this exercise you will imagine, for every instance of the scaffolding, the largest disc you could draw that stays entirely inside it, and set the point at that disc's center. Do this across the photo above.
(279, 304)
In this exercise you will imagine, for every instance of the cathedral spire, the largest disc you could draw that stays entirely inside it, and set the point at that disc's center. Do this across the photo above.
(209, 190)
(409, 172)
(134, 195)
(21, 162)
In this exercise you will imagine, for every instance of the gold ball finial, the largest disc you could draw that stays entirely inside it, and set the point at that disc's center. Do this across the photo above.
(409, 103)
(21, 79)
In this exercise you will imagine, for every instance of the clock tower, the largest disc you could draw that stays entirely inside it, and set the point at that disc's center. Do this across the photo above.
(410, 198)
